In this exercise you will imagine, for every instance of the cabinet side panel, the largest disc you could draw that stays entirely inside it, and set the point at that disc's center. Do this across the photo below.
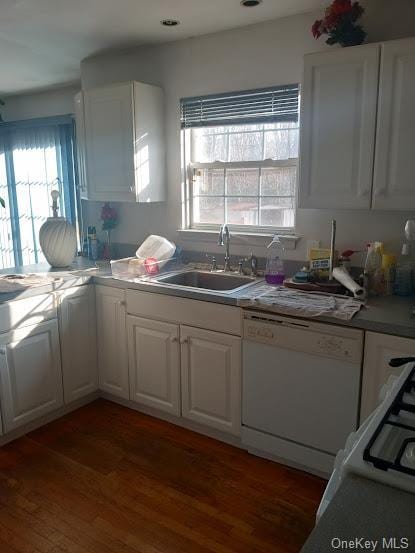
(149, 143)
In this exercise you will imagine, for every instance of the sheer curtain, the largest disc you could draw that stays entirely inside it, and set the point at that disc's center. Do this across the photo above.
(35, 156)
(6, 235)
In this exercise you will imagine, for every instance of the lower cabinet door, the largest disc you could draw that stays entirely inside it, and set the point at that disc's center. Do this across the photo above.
(78, 341)
(30, 374)
(154, 363)
(211, 378)
(112, 341)
(379, 350)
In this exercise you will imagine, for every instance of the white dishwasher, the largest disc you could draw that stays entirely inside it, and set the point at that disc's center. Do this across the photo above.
(300, 389)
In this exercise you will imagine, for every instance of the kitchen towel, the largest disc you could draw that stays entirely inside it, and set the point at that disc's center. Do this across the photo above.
(303, 304)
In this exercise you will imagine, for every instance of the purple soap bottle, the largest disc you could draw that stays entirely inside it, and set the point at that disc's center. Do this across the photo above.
(274, 270)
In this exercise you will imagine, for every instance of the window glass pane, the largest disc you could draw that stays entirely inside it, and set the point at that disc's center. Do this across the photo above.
(208, 210)
(205, 131)
(35, 172)
(209, 146)
(209, 182)
(245, 146)
(277, 212)
(278, 181)
(244, 128)
(281, 144)
(242, 182)
(282, 125)
(243, 195)
(242, 211)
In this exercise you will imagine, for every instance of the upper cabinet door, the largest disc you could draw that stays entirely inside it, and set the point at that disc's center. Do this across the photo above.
(109, 137)
(394, 184)
(149, 143)
(338, 120)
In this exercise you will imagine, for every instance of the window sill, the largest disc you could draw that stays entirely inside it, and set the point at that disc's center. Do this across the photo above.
(289, 241)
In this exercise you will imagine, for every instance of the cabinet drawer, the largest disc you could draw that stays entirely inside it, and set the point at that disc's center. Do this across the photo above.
(30, 311)
(202, 314)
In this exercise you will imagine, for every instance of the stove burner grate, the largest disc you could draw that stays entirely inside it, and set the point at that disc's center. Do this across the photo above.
(397, 407)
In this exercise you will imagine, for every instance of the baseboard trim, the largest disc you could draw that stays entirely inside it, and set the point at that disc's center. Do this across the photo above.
(178, 421)
(287, 453)
(50, 417)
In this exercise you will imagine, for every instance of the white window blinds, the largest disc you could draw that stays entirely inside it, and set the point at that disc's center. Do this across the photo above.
(270, 105)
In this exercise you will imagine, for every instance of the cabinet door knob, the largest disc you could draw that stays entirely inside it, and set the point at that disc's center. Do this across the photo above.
(174, 339)
(184, 341)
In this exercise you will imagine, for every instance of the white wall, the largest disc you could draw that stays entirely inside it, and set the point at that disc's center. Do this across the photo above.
(255, 56)
(40, 104)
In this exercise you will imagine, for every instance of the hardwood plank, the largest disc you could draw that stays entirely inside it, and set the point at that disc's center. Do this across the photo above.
(106, 479)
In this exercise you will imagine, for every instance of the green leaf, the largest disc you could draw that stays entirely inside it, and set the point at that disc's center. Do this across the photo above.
(2, 202)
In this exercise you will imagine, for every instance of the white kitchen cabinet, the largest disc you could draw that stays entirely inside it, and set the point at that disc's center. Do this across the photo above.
(338, 121)
(379, 349)
(77, 324)
(154, 363)
(124, 143)
(112, 341)
(27, 312)
(30, 373)
(394, 171)
(202, 314)
(80, 144)
(211, 378)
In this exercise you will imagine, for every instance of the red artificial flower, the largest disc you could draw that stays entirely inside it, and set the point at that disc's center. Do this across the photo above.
(330, 21)
(340, 7)
(340, 23)
(316, 28)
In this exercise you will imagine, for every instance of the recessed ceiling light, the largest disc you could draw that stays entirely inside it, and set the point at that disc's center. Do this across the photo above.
(170, 22)
(250, 3)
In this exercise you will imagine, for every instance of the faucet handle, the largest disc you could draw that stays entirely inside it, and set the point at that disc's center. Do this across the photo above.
(214, 266)
(254, 264)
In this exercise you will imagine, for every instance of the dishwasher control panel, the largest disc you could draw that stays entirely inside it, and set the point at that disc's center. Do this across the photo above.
(261, 331)
(310, 337)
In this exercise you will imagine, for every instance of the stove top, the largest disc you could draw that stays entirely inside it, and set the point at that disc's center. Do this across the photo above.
(392, 445)
(385, 451)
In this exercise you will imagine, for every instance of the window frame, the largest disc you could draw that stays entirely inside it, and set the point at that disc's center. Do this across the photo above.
(66, 165)
(188, 179)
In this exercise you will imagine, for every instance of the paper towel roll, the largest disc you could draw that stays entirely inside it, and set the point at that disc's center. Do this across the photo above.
(342, 276)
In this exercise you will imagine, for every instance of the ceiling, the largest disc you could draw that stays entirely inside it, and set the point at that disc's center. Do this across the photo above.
(42, 42)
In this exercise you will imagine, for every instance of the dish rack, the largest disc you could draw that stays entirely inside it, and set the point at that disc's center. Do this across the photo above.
(131, 267)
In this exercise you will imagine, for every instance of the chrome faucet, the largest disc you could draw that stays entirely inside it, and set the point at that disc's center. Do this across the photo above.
(224, 233)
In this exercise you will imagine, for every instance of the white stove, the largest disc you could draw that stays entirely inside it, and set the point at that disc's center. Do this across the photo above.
(383, 448)
(386, 449)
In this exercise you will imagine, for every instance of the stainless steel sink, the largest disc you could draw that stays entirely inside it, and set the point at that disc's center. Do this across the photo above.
(219, 282)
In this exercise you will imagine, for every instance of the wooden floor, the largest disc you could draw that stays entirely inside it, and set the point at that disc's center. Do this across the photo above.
(108, 479)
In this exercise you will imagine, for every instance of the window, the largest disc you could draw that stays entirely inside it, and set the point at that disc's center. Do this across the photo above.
(35, 156)
(241, 151)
